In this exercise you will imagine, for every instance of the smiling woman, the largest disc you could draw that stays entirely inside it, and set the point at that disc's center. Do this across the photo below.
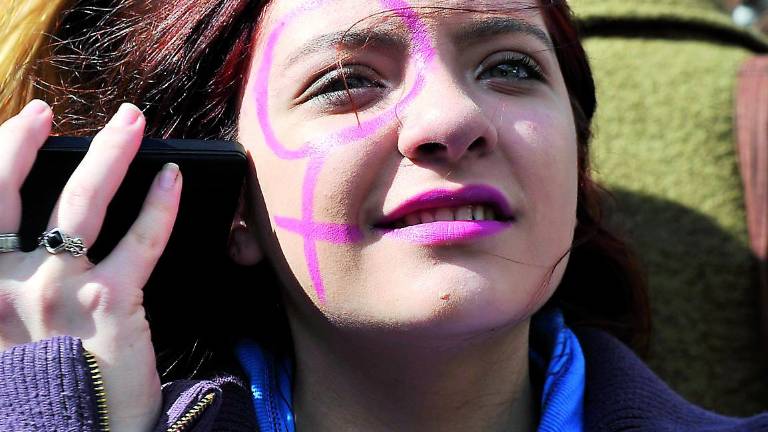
(419, 202)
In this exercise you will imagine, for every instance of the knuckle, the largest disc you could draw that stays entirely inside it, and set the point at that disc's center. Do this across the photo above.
(78, 195)
(49, 299)
(94, 296)
(141, 324)
(147, 240)
(162, 208)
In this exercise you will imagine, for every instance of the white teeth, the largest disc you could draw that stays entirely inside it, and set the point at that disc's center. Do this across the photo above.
(478, 213)
(464, 213)
(412, 219)
(444, 214)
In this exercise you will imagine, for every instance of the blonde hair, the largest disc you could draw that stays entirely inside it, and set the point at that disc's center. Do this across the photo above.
(25, 36)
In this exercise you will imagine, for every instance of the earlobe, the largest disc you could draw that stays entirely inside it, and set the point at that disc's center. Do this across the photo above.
(244, 248)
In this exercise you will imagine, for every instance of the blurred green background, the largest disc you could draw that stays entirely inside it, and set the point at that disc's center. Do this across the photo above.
(664, 145)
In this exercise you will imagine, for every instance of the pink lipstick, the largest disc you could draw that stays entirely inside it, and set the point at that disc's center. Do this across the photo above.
(444, 216)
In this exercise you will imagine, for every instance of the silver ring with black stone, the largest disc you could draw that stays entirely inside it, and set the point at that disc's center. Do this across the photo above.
(56, 241)
(10, 242)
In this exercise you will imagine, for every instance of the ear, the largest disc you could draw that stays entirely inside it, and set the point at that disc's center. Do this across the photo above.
(244, 247)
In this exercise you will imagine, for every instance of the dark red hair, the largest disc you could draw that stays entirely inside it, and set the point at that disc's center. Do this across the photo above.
(603, 285)
(185, 63)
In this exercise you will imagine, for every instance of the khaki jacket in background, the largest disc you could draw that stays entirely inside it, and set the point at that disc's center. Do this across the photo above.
(664, 145)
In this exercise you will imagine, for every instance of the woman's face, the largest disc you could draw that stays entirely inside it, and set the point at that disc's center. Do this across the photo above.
(415, 162)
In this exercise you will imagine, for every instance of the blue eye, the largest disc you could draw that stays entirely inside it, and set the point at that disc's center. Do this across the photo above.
(345, 82)
(512, 67)
(344, 86)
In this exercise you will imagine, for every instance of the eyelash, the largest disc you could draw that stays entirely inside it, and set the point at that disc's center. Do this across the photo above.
(332, 90)
(516, 60)
(336, 87)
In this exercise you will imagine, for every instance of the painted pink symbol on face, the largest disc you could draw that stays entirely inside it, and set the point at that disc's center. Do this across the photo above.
(319, 149)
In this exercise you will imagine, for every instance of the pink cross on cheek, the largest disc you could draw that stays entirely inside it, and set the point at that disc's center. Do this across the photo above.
(317, 151)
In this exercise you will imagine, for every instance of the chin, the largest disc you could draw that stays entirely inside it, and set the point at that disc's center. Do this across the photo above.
(449, 300)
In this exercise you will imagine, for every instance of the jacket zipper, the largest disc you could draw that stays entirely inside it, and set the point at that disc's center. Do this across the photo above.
(192, 415)
(98, 387)
(101, 401)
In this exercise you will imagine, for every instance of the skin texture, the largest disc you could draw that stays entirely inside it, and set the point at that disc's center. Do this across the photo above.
(428, 113)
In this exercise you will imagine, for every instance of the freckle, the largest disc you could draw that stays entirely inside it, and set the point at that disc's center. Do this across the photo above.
(446, 297)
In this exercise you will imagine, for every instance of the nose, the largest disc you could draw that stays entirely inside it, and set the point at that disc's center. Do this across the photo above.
(444, 124)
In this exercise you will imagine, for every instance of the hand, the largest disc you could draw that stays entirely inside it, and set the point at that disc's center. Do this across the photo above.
(44, 295)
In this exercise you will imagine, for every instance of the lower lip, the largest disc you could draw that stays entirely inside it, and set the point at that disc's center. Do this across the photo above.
(445, 232)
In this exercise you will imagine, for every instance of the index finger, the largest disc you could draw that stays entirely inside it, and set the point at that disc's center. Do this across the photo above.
(83, 203)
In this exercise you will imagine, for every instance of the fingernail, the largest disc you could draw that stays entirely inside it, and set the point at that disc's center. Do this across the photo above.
(34, 107)
(169, 175)
(126, 115)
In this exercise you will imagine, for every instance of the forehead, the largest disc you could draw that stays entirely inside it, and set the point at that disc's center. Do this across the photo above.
(309, 18)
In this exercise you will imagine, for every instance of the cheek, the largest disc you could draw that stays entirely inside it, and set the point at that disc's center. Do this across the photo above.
(313, 204)
(279, 181)
(544, 160)
(280, 184)
(548, 155)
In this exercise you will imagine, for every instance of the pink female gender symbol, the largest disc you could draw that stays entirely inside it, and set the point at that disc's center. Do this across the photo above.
(316, 151)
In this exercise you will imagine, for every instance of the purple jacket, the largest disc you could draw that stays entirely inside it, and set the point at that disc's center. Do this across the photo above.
(53, 385)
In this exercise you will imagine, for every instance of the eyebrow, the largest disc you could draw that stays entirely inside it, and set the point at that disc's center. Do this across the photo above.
(464, 36)
(497, 26)
(349, 39)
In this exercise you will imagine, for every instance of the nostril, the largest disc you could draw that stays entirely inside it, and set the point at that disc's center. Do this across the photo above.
(477, 145)
(431, 148)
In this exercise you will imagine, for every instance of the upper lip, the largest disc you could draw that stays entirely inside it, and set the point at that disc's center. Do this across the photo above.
(441, 198)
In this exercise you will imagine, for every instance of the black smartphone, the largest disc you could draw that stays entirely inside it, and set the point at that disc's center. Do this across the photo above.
(213, 173)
